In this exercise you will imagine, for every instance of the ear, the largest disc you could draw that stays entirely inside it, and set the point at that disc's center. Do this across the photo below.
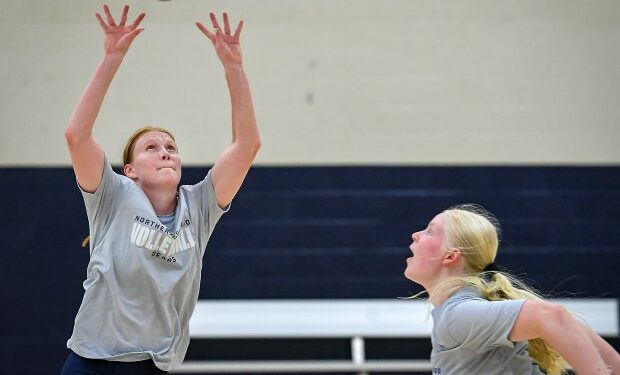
(129, 172)
(452, 256)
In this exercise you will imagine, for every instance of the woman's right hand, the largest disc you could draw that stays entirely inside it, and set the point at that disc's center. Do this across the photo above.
(118, 38)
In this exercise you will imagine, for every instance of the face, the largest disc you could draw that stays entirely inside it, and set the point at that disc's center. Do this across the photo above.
(156, 162)
(428, 252)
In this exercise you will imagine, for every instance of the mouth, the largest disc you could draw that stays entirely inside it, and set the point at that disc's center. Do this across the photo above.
(412, 255)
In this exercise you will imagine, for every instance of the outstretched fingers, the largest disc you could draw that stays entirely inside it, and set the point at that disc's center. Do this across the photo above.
(218, 36)
(216, 25)
(106, 26)
(226, 23)
(206, 31)
(108, 15)
(137, 21)
(103, 25)
(124, 16)
(238, 31)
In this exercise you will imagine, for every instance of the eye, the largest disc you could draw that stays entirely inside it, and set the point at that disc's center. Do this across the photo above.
(172, 149)
(150, 147)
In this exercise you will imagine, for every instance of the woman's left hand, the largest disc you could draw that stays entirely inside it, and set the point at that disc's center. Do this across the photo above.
(226, 45)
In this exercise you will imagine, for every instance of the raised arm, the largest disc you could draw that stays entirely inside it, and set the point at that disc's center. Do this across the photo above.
(233, 164)
(553, 323)
(86, 154)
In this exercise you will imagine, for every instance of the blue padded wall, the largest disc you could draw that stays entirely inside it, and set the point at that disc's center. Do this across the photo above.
(311, 232)
(344, 232)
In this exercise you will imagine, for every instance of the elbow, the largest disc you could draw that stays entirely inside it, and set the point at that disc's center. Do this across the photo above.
(245, 149)
(257, 145)
(70, 136)
(558, 312)
(555, 317)
(75, 139)
(74, 136)
(252, 147)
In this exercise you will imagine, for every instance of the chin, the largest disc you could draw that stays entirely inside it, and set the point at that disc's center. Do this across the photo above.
(170, 177)
(166, 182)
(409, 275)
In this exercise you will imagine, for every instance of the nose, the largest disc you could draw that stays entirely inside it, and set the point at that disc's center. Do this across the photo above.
(415, 236)
(164, 154)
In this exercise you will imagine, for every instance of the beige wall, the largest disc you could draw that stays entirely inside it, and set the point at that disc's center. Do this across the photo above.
(334, 81)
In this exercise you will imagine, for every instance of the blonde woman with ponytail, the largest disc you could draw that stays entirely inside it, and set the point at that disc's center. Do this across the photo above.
(486, 322)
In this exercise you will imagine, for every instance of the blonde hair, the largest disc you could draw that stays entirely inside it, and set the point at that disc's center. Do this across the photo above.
(476, 233)
(128, 151)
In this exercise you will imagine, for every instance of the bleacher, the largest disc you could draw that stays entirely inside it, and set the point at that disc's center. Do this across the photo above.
(354, 320)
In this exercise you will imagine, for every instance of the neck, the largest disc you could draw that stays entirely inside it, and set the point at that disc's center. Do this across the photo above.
(437, 293)
(164, 202)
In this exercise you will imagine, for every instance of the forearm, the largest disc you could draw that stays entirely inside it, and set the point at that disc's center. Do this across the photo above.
(83, 117)
(244, 129)
(609, 354)
(572, 341)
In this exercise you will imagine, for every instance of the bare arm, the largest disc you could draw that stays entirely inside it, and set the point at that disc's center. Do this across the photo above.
(609, 354)
(86, 154)
(554, 324)
(234, 163)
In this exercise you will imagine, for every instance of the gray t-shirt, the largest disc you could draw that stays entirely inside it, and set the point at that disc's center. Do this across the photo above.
(143, 278)
(470, 336)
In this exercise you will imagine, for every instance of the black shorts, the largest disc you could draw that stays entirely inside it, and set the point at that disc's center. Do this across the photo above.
(76, 365)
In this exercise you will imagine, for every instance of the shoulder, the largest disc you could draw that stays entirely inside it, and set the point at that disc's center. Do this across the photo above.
(462, 299)
(468, 318)
(477, 310)
(462, 307)
(115, 174)
(205, 184)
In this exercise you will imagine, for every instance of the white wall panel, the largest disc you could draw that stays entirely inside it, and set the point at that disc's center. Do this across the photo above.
(334, 82)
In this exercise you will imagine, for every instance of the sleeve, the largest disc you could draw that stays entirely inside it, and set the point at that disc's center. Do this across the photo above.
(99, 204)
(203, 194)
(481, 325)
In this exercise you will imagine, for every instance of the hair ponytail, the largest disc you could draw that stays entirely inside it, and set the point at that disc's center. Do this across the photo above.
(500, 286)
(475, 232)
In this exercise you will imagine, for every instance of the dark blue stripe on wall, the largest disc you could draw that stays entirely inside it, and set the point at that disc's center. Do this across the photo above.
(343, 232)
(313, 232)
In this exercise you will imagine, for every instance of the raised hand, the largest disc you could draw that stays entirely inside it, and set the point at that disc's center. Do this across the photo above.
(118, 38)
(226, 45)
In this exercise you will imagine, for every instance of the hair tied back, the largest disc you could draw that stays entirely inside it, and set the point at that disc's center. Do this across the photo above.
(491, 267)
